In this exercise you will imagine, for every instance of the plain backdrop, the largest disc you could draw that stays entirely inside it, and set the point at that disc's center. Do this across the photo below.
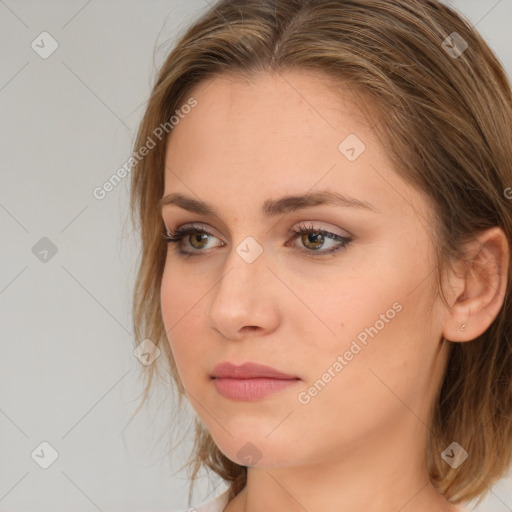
(69, 378)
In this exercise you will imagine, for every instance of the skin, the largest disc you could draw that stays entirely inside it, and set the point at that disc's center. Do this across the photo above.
(359, 444)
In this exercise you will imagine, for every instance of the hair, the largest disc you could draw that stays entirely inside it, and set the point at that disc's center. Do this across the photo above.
(446, 124)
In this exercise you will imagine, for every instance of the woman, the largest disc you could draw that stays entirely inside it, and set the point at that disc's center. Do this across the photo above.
(324, 200)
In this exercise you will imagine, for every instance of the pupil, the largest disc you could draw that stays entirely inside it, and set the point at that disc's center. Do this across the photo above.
(197, 238)
(314, 239)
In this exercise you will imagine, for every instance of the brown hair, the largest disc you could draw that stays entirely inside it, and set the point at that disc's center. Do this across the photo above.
(446, 120)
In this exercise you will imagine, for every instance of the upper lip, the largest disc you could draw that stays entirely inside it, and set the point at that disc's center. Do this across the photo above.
(248, 371)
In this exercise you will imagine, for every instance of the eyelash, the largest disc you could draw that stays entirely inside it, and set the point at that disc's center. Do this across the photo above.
(180, 233)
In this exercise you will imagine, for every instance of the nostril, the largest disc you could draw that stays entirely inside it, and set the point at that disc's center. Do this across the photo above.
(251, 327)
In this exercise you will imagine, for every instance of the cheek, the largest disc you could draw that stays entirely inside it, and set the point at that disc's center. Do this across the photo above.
(368, 388)
(182, 294)
(347, 306)
(182, 313)
(380, 330)
(170, 304)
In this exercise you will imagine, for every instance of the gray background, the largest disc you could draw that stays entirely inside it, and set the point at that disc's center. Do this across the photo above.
(68, 374)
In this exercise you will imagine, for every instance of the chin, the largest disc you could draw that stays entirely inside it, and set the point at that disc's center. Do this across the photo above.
(260, 449)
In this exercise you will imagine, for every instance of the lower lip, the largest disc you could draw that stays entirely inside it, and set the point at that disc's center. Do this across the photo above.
(251, 389)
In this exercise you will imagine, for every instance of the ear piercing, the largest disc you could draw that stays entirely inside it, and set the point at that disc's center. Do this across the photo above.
(463, 326)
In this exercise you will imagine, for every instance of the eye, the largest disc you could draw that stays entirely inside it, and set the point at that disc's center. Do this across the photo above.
(314, 239)
(196, 236)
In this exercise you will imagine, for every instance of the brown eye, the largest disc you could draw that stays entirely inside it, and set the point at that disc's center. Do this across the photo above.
(200, 238)
(312, 240)
(191, 240)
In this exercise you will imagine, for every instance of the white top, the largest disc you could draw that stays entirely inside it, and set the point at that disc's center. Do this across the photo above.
(215, 505)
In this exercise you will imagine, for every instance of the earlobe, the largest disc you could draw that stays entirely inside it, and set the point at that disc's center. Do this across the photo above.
(483, 285)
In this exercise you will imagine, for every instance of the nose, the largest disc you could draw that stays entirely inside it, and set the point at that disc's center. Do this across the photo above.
(245, 300)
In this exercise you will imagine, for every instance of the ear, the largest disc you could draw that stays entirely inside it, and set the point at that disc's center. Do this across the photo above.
(478, 291)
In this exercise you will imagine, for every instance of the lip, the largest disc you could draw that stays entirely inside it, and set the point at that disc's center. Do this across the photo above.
(248, 371)
(249, 381)
(251, 389)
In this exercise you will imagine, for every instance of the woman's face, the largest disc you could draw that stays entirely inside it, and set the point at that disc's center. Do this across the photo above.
(357, 323)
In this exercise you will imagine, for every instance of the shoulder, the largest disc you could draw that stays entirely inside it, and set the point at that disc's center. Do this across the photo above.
(215, 505)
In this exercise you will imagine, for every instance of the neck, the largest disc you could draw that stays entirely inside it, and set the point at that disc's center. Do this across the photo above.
(378, 475)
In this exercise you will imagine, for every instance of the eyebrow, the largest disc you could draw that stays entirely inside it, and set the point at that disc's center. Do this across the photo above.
(271, 207)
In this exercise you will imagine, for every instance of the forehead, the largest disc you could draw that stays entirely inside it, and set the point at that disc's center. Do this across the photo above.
(279, 134)
(300, 101)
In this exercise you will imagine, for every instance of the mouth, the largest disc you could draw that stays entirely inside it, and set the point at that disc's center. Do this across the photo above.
(248, 371)
(251, 389)
(249, 381)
